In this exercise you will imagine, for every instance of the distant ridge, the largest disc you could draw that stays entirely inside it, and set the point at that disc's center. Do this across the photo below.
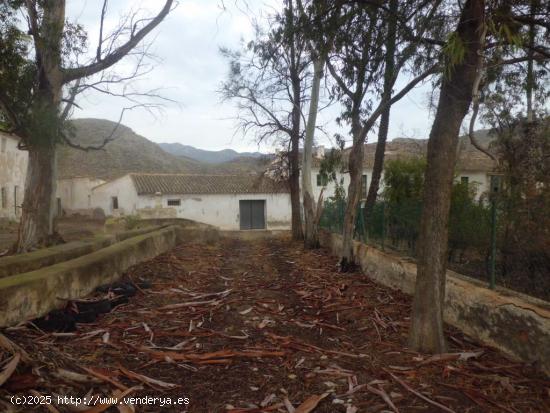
(202, 155)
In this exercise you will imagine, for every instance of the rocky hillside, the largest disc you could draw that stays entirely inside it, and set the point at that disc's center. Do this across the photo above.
(130, 152)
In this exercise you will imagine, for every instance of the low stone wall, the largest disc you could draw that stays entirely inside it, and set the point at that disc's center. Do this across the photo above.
(33, 294)
(22, 263)
(514, 323)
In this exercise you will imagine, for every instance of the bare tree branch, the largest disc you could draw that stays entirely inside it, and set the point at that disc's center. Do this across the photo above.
(116, 55)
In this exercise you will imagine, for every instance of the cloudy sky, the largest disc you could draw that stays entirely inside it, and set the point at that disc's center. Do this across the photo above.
(190, 69)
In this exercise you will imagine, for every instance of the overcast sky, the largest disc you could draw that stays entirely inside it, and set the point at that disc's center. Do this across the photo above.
(191, 69)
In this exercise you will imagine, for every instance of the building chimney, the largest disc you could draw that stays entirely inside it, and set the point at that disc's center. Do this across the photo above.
(320, 151)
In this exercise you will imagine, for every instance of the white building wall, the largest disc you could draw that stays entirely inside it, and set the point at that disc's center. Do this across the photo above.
(123, 189)
(13, 170)
(480, 179)
(330, 188)
(220, 210)
(76, 193)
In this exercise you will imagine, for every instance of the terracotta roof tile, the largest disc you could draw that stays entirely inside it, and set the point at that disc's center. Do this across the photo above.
(147, 184)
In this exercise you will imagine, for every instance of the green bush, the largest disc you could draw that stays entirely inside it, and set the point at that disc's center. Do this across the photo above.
(131, 222)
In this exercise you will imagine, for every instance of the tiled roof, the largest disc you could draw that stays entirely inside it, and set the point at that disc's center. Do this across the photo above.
(469, 158)
(148, 184)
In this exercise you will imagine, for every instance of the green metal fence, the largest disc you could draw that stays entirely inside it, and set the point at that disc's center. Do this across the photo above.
(478, 234)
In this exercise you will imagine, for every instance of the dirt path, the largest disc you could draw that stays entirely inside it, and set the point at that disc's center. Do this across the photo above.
(251, 326)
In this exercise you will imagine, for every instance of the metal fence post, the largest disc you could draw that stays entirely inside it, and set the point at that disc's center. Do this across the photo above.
(383, 224)
(492, 281)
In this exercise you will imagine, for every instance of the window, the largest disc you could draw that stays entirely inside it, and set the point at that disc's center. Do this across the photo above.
(496, 183)
(322, 180)
(4, 142)
(364, 186)
(174, 202)
(114, 203)
(464, 180)
(4, 196)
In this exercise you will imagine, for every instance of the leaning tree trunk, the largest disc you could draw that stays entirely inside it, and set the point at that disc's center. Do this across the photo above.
(311, 213)
(354, 192)
(455, 97)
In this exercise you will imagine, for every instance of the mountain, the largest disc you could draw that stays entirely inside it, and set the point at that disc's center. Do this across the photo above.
(130, 152)
(469, 158)
(201, 155)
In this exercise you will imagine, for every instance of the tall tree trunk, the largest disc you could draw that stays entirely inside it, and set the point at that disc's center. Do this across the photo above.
(389, 80)
(355, 166)
(37, 221)
(454, 100)
(42, 133)
(311, 214)
(294, 158)
(294, 182)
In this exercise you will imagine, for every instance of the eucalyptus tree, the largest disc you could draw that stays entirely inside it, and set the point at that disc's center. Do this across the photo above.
(488, 35)
(319, 44)
(357, 65)
(40, 74)
(269, 79)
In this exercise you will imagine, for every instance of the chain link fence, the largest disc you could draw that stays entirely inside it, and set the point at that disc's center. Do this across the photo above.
(516, 257)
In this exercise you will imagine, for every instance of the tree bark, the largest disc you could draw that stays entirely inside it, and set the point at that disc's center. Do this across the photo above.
(454, 100)
(294, 182)
(311, 236)
(389, 80)
(355, 166)
(37, 221)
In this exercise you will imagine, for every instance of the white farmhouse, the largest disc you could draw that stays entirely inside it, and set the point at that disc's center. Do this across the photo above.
(473, 167)
(13, 170)
(230, 202)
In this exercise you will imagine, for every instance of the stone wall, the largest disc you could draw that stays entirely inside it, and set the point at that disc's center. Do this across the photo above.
(33, 294)
(21, 263)
(514, 323)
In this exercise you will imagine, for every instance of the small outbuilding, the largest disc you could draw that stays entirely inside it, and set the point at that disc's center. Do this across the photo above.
(230, 202)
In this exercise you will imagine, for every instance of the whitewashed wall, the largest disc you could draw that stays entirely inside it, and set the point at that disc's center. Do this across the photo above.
(76, 193)
(331, 186)
(123, 188)
(480, 179)
(13, 170)
(220, 210)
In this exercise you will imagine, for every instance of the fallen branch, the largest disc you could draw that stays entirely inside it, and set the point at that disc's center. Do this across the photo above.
(9, 368)
(426, 399)
(382, 393)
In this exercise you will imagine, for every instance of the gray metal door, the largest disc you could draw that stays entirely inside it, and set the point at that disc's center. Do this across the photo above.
(252, 213)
